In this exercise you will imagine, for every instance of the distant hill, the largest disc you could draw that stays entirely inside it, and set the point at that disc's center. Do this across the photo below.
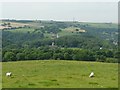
(23, 34)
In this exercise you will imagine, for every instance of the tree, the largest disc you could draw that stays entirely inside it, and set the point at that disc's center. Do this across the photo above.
(109, 54)
(100, 58)
(57, 56)
(77, 29)
(20, 56)
(9, 56)
(67, 56)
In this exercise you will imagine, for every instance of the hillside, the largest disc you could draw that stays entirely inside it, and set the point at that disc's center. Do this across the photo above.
(59, 74)
(57, 40)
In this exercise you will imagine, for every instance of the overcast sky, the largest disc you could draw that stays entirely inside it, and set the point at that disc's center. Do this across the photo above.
(79, 11)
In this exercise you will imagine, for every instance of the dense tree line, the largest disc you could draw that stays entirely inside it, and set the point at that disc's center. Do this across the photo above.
(51, 29)
(19, 39)
(104, 33)
(84, 41)
(48, 53)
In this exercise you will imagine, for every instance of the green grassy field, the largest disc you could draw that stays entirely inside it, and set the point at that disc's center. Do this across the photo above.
(22, 30)
(100, 25)
(65, 32)
(59, 74)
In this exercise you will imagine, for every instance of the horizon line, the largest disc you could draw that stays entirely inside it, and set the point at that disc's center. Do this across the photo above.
(59, 20)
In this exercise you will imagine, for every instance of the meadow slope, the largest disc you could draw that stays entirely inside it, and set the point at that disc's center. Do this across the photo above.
(59, 74)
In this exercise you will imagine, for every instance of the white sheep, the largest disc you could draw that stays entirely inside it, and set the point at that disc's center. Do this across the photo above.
(8, 74)
(91, 74)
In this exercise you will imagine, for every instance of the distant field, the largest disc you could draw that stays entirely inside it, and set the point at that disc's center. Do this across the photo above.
(64, 32)
(22, 30)
(59, 74)
(12, 24)
(68, 31)
(15, 24)
(100, 25)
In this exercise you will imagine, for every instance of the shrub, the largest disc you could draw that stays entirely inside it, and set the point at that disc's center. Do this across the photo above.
(111, 60)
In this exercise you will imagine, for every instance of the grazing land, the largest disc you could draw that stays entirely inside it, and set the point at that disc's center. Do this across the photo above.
(59, 74)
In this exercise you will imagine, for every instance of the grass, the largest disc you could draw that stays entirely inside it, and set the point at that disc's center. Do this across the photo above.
(22, 30)
(104, 25)
(68, 31)
(59, 74)
(100, 25)
(64, 32)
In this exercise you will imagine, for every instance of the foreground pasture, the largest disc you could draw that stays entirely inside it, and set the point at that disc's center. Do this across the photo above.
(59, 74)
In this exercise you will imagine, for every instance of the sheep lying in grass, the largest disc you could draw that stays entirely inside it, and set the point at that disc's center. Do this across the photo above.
(8, 74)
(91, 74)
